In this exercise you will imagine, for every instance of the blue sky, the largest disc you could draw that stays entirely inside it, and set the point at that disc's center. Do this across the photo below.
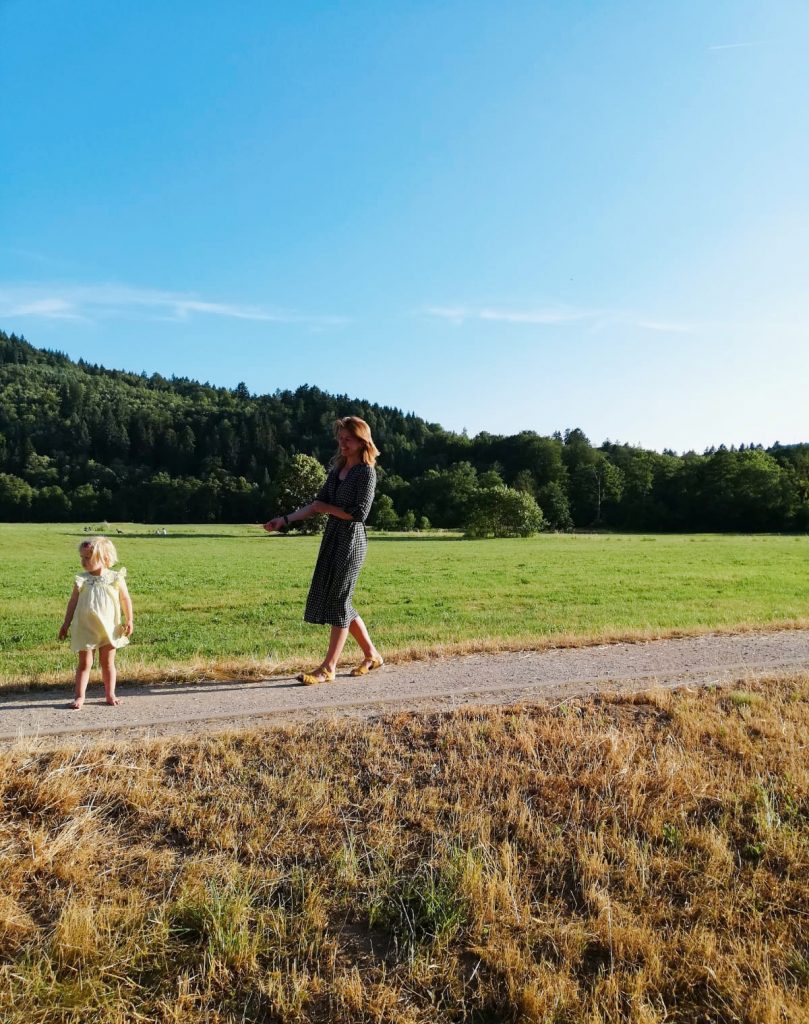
(501, 216)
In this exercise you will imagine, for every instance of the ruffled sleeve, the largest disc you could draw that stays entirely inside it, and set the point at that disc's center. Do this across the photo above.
(119, 576)
(79, 580)
(360, 501)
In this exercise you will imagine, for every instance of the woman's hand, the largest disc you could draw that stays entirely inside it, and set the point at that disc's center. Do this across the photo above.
(274, 524)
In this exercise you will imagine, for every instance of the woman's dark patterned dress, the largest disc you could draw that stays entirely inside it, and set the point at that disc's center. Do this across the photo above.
(342, 549)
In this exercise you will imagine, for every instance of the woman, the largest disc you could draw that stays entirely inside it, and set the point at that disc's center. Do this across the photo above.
(346, 499)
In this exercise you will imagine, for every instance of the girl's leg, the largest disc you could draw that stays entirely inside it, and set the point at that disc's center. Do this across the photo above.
(85, 663)
(109, 676)
(359, 631)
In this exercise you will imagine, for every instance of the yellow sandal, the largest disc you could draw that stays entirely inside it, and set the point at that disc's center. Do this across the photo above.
(320, 675)
(364, 668)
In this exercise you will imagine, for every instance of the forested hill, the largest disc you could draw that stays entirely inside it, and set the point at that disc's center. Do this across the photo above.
(81, 442)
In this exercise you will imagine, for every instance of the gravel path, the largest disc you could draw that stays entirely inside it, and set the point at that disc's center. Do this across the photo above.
(170, 710)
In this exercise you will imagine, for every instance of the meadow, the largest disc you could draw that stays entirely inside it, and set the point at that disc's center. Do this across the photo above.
(213, 601)
(627, 860)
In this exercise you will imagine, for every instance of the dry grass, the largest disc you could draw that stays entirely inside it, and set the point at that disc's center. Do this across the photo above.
(638, 859)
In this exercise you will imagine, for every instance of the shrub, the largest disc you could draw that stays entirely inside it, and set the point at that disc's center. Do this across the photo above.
(15, 497)
(383, 516)
(300, 481)
(503, 512)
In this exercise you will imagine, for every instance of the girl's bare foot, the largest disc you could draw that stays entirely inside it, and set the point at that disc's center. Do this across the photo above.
(77, 703)
(113, 701)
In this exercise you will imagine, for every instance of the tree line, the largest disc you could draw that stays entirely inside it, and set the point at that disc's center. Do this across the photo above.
(79, 442)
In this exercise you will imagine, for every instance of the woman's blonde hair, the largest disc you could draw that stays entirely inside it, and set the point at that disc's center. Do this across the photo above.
(103, 550)
(360, 429)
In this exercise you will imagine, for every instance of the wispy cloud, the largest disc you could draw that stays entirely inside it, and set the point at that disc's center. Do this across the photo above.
(547, 315)
(54, 264)
(49, 309)
(736, 46)
(556, 316)
(93, 302)
(666, 328)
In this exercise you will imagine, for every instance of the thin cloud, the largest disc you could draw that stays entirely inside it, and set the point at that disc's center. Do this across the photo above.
(550, 315)
(556, 316)
(95, 302)
(55, 264)
(453, 314)
(534, 316)
(666, 328)
(48, 309)
(736, 46)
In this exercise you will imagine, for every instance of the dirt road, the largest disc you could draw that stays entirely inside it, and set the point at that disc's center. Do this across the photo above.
(167, 710)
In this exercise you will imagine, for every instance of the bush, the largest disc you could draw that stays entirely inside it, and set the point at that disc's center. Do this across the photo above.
(300, 481)
(555, 507)
(16, 496)
(50, 504)
(503, 512)
(383, 516)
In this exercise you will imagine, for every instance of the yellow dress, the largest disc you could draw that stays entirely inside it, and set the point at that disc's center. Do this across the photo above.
(97, 619)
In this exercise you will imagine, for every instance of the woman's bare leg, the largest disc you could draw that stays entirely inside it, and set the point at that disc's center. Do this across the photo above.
(337, 641)
(83, 667)
(109, 675)
(359, 631)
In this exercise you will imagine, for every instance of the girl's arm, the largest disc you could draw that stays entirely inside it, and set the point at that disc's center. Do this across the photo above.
(126, 605)
(71, 607)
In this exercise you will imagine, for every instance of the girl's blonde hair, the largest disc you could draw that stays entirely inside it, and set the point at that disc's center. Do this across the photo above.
(360, 429)
(103, 550)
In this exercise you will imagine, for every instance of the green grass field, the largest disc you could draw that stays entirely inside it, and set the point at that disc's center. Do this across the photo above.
(213, 600)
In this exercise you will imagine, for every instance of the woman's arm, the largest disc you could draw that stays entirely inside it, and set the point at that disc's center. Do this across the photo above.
(126, 605)
(306, 512)
(71, 607)
(323, 508)
(359, 503)
(318, 507)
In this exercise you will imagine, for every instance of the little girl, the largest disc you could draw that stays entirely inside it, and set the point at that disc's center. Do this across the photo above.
(98, 595)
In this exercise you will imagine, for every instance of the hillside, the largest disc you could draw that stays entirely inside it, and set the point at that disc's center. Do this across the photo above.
(83, 442)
